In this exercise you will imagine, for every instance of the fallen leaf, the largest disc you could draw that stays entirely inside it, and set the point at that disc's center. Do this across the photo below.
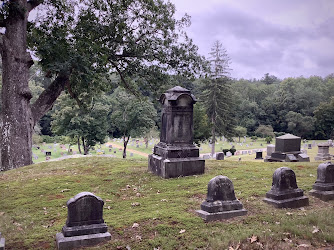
(164, 200)
(289, 213)
(304, 245)
(182, 231)
(315, 230)
(138, 237)
(135, 204)
(107, 200)
(253, 239)
(108, 207)
(277, 222)
(2, 213)
(135, 225)
(138, 194)
(65, 190)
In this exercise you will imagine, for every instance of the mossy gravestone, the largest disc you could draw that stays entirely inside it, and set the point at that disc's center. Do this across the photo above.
(220, 202)
(323, 188)
(285, 192)
(85, 225)
(176, 155)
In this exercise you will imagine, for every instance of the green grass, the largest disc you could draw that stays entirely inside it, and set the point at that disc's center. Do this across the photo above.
(33, 206)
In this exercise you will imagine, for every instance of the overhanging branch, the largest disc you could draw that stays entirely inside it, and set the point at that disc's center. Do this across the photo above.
(33, 4)
(47, 98)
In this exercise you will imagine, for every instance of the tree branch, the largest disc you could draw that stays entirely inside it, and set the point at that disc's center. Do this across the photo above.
(47, 98)
(33, 4)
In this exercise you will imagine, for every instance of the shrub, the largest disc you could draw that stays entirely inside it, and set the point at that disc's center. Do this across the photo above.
(232, 150)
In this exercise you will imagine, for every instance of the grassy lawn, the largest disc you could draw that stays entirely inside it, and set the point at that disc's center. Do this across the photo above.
(33, 206)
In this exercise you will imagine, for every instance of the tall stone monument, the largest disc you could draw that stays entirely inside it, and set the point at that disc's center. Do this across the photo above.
(220, 202)
(176, 155)
(85, 225)
(287, 149)
(284, 192)
(323, 188)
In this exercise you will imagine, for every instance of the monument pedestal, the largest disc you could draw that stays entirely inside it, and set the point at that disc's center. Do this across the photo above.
(287, 199)
(174, 161)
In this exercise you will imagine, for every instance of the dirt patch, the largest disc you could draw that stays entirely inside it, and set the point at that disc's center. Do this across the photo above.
(55, 197)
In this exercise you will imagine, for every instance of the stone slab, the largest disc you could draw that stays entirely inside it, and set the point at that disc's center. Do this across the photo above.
(2, 243)
(84, 229)
(221, 215)
(288, 203)
(322, 195)
(65, 243)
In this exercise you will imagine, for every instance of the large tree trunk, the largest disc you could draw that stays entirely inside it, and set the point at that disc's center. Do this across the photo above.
(18, 116)
(213, 133)
(125, 143)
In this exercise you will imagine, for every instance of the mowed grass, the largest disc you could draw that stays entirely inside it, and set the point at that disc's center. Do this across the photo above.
(33, 206)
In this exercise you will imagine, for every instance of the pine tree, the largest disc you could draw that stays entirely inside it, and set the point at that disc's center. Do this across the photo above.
(217, 96)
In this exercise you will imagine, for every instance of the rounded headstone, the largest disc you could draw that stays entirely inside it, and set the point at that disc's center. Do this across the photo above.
(220, 188)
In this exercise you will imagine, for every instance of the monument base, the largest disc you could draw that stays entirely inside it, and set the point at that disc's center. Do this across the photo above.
(80, 241)
(288, 203)
(220, 215)
(84, 230)
(323, 191)
(175, 167)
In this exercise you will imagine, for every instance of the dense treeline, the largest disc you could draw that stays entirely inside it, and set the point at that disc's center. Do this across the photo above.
(287, 105)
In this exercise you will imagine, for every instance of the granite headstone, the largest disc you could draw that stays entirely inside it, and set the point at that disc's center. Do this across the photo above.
(323, 188)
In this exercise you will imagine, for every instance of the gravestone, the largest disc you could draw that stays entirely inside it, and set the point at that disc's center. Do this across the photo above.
(131, 154)
(287, 149)
(323, 152)
(323, 188)
(330, 142)
(228, 154)
(176, 155)
(220, 202)
(284, 192)
(206, 157)
(219, 156)
(309, 146)
(2, 243)
(47, 153)
(85, 225)
(258, 155)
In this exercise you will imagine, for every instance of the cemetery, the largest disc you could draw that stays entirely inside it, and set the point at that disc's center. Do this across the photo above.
(116, 133)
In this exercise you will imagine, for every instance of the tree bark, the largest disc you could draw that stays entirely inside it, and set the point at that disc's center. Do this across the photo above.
(18, 117)
(85, 146)
(79, 145)
(125, 143)
(213, 133)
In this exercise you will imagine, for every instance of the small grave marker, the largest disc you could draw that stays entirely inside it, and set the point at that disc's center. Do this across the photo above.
(323, 188)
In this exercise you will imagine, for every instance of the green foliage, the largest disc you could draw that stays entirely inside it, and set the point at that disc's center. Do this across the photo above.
(201, 124)
(324, 115)
(300, 125)
(240, 131)
(89, 124)
(269, 139)
(134, 39)
(264, 130)
(232, 150)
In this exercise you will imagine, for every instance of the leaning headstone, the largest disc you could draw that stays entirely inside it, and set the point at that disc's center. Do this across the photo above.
(258, 155)
(2, 243)
(219, 156)
(284, 192)
(323, 152)
(220, 202)
(176, 155)
(85, 225)
(323, 188)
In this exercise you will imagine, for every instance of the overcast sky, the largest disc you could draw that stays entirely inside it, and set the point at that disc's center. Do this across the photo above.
(280, 37)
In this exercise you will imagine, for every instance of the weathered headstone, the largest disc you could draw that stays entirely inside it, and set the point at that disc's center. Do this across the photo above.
(287, 149)
(323, 152)
(176, 155)
(2, 243)
(284, 192)
(323, 188)
(220, 202)
(258, 155)
(220, 156)
(85, 225)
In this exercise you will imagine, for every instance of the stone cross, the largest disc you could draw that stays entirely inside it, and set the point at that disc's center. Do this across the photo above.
(220, 202)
